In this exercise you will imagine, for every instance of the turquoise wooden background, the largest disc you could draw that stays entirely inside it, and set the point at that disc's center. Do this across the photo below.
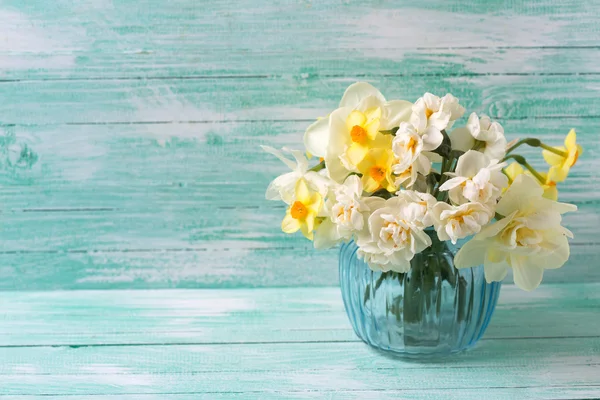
(130, 140)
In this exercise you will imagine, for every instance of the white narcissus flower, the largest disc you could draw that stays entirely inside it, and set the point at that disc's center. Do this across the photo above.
(483, 135)
(408, 147)
(282, 187)
(395, 234)
(424, 200)
(529, 239)
(408, 177)
(477, 179)
(345, 212)
(458, 222)
(344, 138)
(433, 111)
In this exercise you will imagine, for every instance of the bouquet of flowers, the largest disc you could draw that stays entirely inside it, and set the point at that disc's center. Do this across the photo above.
(385, 171)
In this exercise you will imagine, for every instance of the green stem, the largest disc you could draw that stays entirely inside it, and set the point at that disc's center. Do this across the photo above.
(521, 160)
(554, 150)
(533, 142)
(446, 167)
(318, 167)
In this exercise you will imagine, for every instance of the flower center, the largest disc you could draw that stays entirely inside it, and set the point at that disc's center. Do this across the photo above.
(377, 173)
(298, 210)
(428, 112)
(411, 144)
(358, 134)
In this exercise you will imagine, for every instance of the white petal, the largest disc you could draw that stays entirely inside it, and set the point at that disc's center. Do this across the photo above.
(494, 271)
(518, 194)
(326, 235)
(470, 163)
(471, 254)
(282, 187)
(433, 157)
(357, 92)
(554, 259)
(354, 184)
(461, 139)
(439, 120)
(452, 183)
(279, 154)
(301, 160)
(473, 125)
(526, 276)
(496, 227)
(556, 206)
(395, 112)
(319, 182)
(422, 165)
(338, 140)
(316, 137)
(432, 138)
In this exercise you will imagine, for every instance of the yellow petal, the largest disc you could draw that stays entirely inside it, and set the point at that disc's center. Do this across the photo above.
(315, 203)
(355, 118)
(381, 142)
(372, 128)
(369, 184)
(289, 224)
(373, 113)
(571, 139)
(551, 192)
(513, 170)
(553, 158)
(390, 186)
(307, 227)
(302, 192)
(356, 153)
(558, 173)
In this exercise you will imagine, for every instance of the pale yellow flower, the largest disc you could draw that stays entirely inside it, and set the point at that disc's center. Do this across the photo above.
(376, 170)
(560, 165)
(528, 240)
(303, 210)
(515, 169)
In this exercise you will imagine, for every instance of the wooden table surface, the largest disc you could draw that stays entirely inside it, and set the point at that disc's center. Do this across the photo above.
(282, 343)
(138, 257)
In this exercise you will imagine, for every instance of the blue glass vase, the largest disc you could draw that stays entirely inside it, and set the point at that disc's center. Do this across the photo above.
(432, 310)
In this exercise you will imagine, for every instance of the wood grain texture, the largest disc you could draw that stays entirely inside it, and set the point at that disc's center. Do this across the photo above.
(213, 344)
(129, 153)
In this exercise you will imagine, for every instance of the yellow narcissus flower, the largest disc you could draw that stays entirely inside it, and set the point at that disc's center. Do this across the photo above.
(376, 170)
(302, 213)
(364, 130)
(344, 138)
(560, 164)
(515, 169)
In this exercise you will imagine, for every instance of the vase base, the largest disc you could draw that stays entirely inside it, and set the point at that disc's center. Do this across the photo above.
(424, 355)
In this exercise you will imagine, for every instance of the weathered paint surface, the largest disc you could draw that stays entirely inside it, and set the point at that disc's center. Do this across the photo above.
(282, 343)
(129, 149)
(129, 159)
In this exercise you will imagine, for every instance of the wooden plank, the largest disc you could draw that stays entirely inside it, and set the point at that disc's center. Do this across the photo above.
(194, 63)
(88, 318)
(280, 99)
(543, 362)
(67, 27)
(116, 207)
(555, 392)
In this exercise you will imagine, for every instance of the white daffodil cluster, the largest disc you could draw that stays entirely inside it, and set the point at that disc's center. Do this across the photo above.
(392, 173)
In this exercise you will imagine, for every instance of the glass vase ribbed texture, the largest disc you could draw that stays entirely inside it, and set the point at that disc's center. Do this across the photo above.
(432, 310)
